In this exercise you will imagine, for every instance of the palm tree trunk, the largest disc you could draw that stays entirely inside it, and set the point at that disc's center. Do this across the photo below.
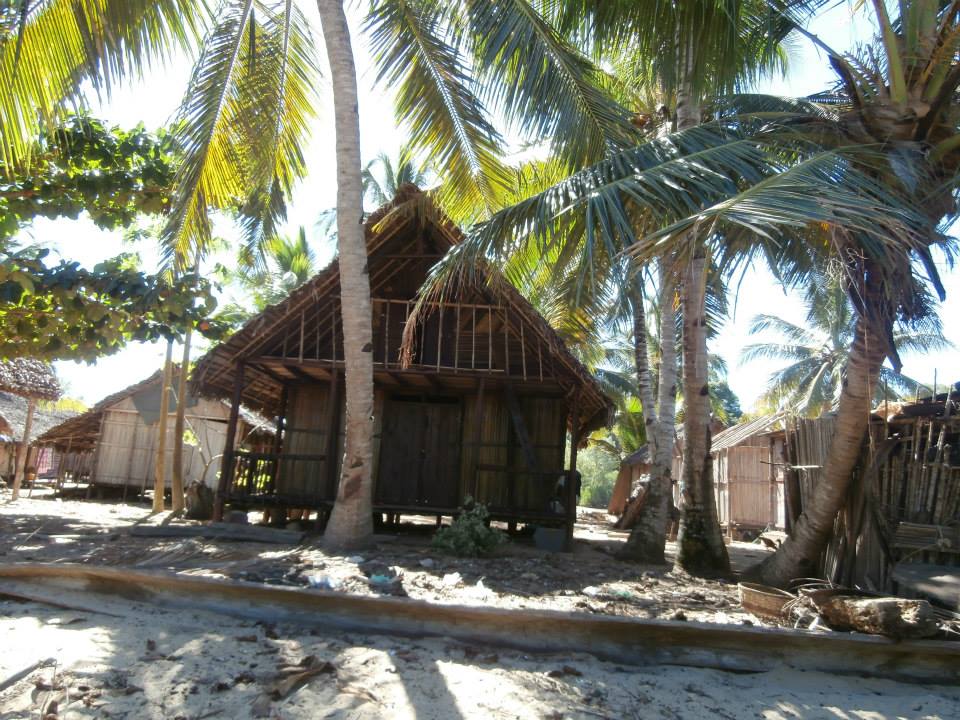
(649, 536)
(176, 481)
(700, 546)
(23, 450)
(160, 466)
(799, 556)
(351, 522)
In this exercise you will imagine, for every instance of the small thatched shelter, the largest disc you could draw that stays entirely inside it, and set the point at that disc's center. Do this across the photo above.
(33, 380)
(13, 420)
(480, 404)
(120, 435)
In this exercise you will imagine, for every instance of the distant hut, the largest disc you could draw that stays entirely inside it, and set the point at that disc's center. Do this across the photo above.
(32, 380)
(633, 468)
(120, 434)
(481, 407)
(46, 462)
(749, 469)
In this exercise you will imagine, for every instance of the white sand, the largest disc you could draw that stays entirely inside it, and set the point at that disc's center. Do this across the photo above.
(199, 668)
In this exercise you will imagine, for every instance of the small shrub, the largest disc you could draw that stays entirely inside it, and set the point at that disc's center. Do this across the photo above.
(468, 535)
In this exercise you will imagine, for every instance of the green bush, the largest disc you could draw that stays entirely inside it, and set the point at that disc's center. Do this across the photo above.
(468, 535)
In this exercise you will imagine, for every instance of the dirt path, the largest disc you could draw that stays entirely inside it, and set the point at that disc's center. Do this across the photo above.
(146, 663)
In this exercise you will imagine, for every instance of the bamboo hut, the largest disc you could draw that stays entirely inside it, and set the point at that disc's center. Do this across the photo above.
(480, 406)
(32, 380)
(749, 469)
(900, 525)
(119, 435)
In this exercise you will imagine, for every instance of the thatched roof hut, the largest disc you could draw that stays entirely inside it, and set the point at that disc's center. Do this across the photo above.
(30, 379)
(474, 397)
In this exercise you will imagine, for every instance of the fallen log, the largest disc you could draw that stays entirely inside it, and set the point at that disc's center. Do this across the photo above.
(618, 639)
(221, 531)
(891, 617)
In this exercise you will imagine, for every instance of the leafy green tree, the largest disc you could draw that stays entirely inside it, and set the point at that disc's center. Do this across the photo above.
(60, 310)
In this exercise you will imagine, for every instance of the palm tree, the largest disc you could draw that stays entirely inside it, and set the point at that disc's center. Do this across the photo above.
(251, 101)
(817, 353)
(382, 179)
(865, 182)
(384, 176)
(288, 262)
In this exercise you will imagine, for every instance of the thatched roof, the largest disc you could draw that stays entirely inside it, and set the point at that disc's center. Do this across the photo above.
(411, 213)
(82, 431)
(30, 379)
(13, 417)
(737, 434)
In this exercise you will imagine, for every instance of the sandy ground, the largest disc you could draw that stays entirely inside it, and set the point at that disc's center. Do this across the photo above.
(520, 576)
(148, 663)
(144, 662)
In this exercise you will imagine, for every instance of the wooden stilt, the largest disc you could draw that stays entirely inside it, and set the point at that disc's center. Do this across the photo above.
(226, 464)
(571, 499)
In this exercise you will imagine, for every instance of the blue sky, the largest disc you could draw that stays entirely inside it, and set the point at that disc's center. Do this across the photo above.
(155, 100)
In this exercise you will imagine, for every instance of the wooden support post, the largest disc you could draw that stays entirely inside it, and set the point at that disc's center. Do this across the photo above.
(540, 358)
(490, 340)
(386, 337)
(23, 449)
(477, 436)
(473, 341)
(439, 335)
(303, 331)
(333, 425)
(571, 500)
(226, 463)
(506, 344)
(523, 351)
(278, 437)
(62, 468)
(333, 333)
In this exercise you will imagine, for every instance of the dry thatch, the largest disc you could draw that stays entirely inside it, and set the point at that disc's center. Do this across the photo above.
(30, 379)
(13, 416)
(308, 306)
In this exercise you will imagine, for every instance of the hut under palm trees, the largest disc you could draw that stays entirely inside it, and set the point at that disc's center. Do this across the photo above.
(481, 406)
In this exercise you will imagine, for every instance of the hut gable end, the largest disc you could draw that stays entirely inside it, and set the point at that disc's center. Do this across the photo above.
(480, 328)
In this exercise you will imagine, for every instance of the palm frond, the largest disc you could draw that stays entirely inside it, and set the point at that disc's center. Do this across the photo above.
(544, 86)
(281, 103)
(59, 45)
(436, 99)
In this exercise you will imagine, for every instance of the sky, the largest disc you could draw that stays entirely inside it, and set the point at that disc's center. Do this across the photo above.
(154, 102)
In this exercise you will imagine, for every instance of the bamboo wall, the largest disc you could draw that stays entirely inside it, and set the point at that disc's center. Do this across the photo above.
(909, 472)
(126, 450)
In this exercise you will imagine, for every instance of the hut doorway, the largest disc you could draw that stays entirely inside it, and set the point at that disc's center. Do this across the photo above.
(420, 453)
